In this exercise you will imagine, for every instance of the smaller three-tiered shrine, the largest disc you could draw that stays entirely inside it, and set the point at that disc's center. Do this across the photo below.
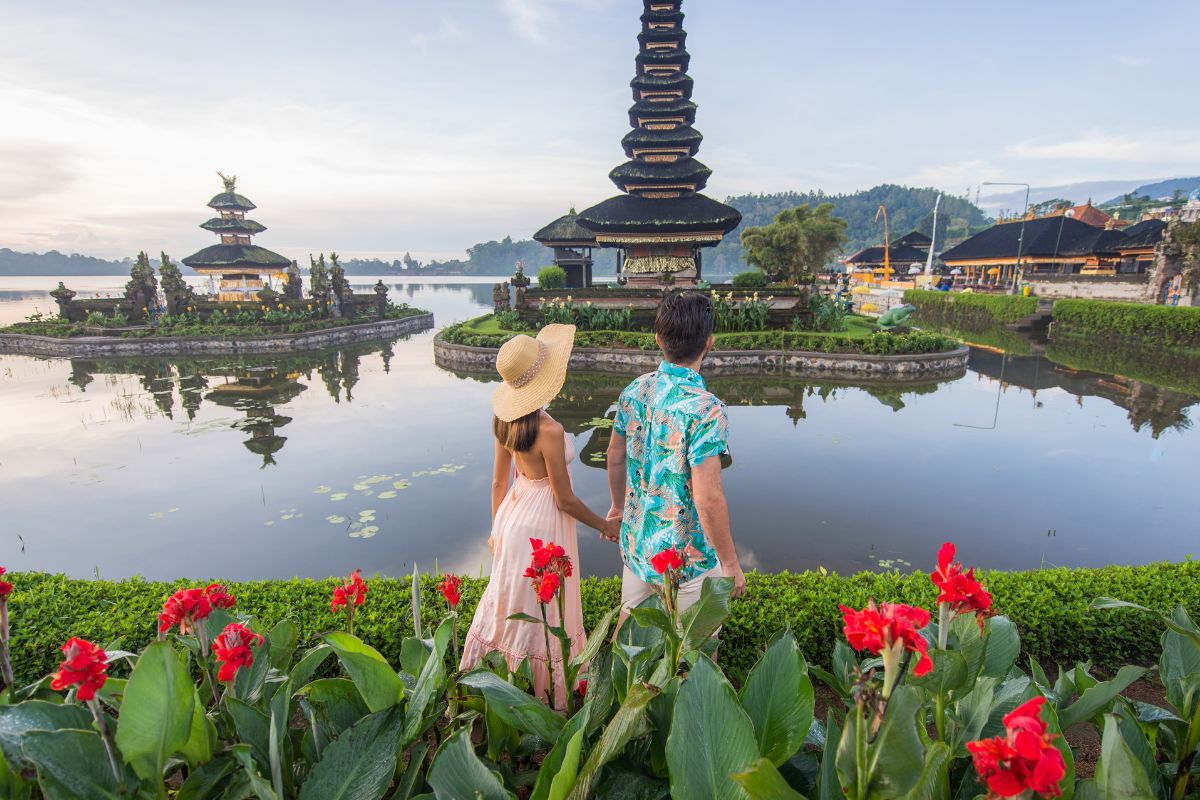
(240, 265)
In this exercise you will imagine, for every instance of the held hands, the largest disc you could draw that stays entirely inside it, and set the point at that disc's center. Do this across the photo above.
(611, 530)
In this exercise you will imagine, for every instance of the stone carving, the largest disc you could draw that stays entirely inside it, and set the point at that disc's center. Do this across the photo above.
(63, 296)
(501, 298)
(381, 299)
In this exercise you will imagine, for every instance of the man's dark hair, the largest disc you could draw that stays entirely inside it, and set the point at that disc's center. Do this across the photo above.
(683, 325)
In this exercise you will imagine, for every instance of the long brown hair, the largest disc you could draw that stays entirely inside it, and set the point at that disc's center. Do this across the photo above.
(519, 435)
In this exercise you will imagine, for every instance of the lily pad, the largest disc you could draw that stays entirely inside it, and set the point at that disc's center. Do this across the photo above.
(401, 484)
(600, 422)
(336, 496)
(369, 531)
(361, 487)
(323, 490)
(269, 523)
(388, 495)
(157, 515)
(287, 516)
(336, 519)
(172, 510)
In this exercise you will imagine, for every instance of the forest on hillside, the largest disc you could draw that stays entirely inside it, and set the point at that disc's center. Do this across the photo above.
(56, 263)
(908, 209)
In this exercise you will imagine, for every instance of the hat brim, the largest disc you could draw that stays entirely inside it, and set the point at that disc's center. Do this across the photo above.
(510, 403)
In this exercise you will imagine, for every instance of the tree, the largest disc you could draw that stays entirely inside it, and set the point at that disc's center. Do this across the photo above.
(1047, 206)
(294, 288)
(142, 287)
(797, 244)
(176, 292)
(318, 279)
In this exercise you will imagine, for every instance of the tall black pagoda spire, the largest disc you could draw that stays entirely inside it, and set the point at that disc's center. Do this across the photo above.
(661, 221)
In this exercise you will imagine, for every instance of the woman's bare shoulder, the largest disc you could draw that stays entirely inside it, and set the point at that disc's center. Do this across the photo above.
(549, 427)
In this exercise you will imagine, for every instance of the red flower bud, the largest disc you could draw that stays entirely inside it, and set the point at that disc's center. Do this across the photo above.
(669, 559)
(85, 666)
(184, 608)
(232, 650)
(352, 592)
(219, 597)
(959, 589)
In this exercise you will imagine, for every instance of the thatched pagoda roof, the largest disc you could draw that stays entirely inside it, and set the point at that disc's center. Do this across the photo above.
(564, 231)
(223, 225)
(233, 256)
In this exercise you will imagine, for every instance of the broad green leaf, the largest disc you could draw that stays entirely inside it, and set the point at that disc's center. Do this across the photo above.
(1141, 747)
(564, 780)
(283, 640)
(949, 673)
(36, 715)
(1100, 697)
(1003, 646)
(156, 715)
(829, 786)
(702, 620)
(711, 738)
(934, 783)
(778, 696)
(763, 782)
(415, 588)
(1008, 695)
(627, 724)
(1179, 664)
(202, 735)
(523, 712)
(1054, 727)
(895, 757)
(413, 654)
(1186, 630)
(378, 683)
(258, 785)
(429, 684)
(596, 639)
(1119, 773)
(654, 618)
(306, 666)
(970, 713)
(557, 756)
(600, 692)
(457, 773)
(406, 784)
(359, 764)
(205, 782)
(71, 765)
(253, 728)
(336, 704)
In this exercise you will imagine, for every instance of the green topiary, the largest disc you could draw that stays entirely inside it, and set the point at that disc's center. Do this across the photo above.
(751, 279)
(551, 278)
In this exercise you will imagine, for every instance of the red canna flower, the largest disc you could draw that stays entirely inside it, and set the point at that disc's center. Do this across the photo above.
(353, 592)
(583, 684)
(888, 630)
(449, 589)
(958, 588)
(85, 666)
(5, 587)
(219, 597)
(184, 608)
(669, 559)
(548, 587)
(232, 650)
(1024, 759)
(550, 557)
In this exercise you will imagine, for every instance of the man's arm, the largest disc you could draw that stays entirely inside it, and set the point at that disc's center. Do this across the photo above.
(616, 474)
(709, 496)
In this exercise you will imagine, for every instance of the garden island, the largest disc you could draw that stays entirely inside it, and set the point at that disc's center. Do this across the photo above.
(260, 304)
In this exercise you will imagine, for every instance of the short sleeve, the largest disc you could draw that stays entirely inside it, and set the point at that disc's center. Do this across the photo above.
(709, 435)
(621, 422)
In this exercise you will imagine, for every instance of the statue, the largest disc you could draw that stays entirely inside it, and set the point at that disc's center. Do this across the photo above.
(501, 298)
(177, 295)
(520, 283)
(293, 288)
(63, 296)
(381, 299)
(230, 181)
(896, 317)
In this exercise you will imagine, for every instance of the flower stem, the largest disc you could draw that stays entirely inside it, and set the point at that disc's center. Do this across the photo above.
(549, 658)
(860, 751)
(944, 618)
(565, 645)
(98, 714)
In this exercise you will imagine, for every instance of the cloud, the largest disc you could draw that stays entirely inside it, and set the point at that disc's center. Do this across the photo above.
(1097, 145)
(528, 19)
(955, 175)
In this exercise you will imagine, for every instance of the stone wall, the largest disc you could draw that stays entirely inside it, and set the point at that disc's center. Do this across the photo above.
(1121, 288)
(106, 346)
(733, 362)
(883, 299)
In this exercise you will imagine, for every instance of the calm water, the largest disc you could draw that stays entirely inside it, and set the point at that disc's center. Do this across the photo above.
(372, 456)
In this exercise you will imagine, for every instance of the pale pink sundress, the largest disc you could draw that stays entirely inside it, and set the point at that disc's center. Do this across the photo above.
(527, 512)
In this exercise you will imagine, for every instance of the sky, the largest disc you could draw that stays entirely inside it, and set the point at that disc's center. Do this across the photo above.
(379, 128)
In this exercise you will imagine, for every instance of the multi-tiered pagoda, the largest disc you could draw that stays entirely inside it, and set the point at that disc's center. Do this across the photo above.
(662, 220)
(240, 265)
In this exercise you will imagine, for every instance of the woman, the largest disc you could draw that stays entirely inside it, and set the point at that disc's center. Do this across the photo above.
(531, 499)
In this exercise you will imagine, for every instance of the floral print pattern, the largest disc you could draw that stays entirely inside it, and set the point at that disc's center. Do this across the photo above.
(671, 423)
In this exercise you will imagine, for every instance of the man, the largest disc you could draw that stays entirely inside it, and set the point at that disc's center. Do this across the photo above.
(664, 466)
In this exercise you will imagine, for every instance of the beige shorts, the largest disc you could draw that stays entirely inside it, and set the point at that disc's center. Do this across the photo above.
(634, 590)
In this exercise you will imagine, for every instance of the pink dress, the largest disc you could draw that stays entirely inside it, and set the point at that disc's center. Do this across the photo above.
(527, 512)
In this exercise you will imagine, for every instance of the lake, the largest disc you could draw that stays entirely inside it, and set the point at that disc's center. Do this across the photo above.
(372, 456)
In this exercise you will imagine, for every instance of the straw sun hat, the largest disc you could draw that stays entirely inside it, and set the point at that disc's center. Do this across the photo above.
(533, 371)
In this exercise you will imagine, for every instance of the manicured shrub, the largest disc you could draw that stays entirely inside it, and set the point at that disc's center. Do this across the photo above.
(1050, 607)
(751, 279)
(959, 307)
(551, 278)
(1153, 326)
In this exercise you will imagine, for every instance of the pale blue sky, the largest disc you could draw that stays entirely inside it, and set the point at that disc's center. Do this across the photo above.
(374, 128)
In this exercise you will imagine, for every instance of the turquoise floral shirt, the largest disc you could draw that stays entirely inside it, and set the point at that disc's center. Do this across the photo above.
(671, 423)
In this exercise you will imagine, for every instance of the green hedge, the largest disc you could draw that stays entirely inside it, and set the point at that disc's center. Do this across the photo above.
(915, 342)
(1156, 326)
(967, 306)
(1049, 606)
(1166, 368)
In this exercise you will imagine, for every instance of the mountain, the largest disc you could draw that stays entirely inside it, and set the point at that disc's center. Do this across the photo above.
(56, 263)
(907, 208)
(1011, 202)
(1161, 190)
